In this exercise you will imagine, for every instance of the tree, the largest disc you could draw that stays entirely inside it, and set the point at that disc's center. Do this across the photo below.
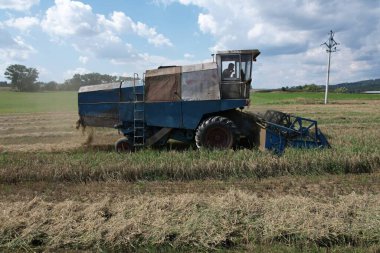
(79, 80)
(311, 88)
(50, 86)
(22, 78)
(341, 90)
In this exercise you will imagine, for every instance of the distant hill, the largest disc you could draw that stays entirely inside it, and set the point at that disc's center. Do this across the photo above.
(354, 87)
(360, 86)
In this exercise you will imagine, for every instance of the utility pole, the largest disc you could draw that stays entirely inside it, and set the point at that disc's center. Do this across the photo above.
(331, 48)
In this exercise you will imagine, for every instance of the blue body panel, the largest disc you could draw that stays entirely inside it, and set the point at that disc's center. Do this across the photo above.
(163, 114)
(116, 106)
(193, 111)
(100, 96)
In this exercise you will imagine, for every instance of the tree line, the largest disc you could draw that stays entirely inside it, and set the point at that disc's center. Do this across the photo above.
(23, 78)
(314, 88)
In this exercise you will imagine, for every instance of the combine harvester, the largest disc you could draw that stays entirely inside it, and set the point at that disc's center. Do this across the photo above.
(201, 103)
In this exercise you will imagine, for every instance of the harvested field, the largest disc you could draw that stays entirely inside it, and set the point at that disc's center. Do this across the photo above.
(47, 132)
(63, 189)
(202, 221)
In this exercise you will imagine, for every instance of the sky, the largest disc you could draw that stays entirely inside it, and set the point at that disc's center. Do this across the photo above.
(121, 37)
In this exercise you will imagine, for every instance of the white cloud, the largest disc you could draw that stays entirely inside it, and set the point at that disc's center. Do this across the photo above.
(23, 24)
(71, 72)
(118, 21)
(150, 33)
(73, 19)
(207, 23)
(96, 35)
(188, 56)
(83, 59)
(43, 73)
(13, 48)
(69, 18)
(18, 5)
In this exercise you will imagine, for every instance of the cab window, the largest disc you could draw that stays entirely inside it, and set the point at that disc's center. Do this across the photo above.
(246, 63)
(230, 67)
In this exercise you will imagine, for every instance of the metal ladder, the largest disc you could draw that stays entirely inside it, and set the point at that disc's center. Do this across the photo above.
(138, 115)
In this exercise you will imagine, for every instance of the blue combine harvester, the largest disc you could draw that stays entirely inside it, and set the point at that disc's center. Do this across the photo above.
(201, 103)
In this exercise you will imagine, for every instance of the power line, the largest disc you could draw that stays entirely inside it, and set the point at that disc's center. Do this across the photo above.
(331, 48)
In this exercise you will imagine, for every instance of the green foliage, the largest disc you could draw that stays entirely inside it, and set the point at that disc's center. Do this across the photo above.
(360, 86)
(341, 90)
(50, 86)
(79, 80)
(354, 87)
(311, 88)
(307, 87)
(22, 78)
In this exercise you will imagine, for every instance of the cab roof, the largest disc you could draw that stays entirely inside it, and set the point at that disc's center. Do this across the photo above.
(253, 52)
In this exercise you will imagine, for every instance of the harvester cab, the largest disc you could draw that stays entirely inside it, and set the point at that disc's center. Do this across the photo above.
(235, 69)
(196, 104)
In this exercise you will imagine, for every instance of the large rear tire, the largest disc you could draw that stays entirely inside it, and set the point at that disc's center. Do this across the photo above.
(216, 133)
(124, 145)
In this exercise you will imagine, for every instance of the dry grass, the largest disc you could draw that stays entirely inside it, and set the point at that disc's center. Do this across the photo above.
(318, 187)
(206, 221)
(90, 165)
(47, 132)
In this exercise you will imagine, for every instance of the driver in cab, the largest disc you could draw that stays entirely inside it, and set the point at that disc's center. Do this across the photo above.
(227, 73)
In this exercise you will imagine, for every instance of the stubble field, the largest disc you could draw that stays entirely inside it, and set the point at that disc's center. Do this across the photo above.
(64, 189)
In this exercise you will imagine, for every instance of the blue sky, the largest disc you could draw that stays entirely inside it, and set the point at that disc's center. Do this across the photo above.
(121, 37)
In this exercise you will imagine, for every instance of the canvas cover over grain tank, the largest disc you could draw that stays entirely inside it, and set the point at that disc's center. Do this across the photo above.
(186, 83)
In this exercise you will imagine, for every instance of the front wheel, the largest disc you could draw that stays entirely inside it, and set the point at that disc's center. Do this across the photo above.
(216, 133)
(124, 145)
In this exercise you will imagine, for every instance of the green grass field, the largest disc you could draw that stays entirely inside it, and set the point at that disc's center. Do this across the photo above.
(29, 102)
(258, 98)
(67, 190)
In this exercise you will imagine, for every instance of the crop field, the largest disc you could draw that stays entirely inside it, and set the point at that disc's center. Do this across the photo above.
(64, 189)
